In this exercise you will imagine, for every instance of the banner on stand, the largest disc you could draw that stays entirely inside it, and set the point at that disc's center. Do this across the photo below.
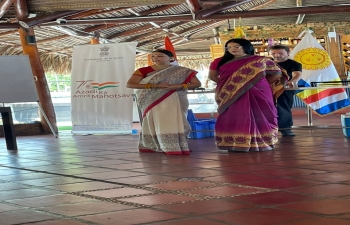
(101, 103)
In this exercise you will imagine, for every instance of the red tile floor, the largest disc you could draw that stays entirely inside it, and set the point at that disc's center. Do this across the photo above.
(75, 180)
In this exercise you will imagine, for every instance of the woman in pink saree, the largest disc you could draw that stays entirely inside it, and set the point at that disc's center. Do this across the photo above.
(246, 92)
(162, 100)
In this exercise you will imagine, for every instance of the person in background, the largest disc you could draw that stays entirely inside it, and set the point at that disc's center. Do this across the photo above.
(162, 99)
(247, 86)
(280, 54)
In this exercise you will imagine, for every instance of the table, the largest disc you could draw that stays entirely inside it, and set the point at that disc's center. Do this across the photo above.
(9, 130)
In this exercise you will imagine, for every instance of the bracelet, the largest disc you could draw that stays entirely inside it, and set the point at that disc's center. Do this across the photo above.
(184, 86)
(150, 86)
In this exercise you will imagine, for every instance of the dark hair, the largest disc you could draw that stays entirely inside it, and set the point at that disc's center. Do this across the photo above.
(248, 49)
(166, 52)
(279, 47)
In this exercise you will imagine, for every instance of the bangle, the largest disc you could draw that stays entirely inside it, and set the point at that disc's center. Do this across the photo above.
(148, 86)
(184, 86)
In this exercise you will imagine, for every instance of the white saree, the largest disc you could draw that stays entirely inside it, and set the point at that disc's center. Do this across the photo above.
(164, 127)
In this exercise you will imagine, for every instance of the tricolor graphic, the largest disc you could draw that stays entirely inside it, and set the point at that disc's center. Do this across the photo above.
(318, 67)
(104, 85)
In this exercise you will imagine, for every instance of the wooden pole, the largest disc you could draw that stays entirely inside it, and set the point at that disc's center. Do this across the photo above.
(31, 50)
(41, 84)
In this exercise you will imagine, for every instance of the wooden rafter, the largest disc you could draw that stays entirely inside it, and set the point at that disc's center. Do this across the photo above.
(102, 27)
(94, 12)
(130, 32)
(219, 8)
(194, 5)
(188, 17)
(108, 26)
(83, 14)
(192, 29)
(8, 32)
(53, 39)
(156, 9)
(4, 6)
(176, 24)
(21, 9)
(202, 25)
(148, 35)
(144, 36)
(48, 18)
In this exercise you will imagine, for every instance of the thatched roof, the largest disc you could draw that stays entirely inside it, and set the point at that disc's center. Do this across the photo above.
(192, 25)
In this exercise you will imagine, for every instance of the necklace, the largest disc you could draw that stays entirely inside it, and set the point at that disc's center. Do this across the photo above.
(161, 66)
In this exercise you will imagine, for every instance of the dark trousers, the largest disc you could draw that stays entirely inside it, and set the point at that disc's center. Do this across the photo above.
(284, 106)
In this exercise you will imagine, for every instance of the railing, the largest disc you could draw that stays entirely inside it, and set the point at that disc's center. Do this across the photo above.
(299, 103)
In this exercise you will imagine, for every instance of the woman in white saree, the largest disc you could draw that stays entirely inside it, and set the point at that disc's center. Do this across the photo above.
(162, 100)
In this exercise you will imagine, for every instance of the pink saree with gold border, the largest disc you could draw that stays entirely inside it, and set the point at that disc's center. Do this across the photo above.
(247, 118)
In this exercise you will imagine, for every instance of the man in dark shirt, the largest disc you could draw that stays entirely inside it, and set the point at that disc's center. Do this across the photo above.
(280, 53)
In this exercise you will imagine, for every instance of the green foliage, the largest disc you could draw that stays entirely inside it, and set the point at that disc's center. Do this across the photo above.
(58, 82)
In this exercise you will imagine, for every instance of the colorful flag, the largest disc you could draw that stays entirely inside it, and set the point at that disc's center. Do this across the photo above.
(318, 67)
(169, 46)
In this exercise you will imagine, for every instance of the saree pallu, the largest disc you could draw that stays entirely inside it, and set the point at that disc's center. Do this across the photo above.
(247, 118)
(164, 126)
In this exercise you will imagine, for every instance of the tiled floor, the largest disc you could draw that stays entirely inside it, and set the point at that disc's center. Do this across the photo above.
(74, 180)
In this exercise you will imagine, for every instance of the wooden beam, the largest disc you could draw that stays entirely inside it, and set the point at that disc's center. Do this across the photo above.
(284, 12)
(95, 12)
(53, 39)
(130, 32)
(102, 27)
(82, 14)
(136, 19)
(4, 6)
(8, 32)
(194, 5)
(203, 25)
(48, 18)
(188, 17)
(218, 8)
(145, 36)
(6, 26)
(37, 68)
(41, 83)
(157, 9)
(176, 25)
(263, 5)
(21, 9)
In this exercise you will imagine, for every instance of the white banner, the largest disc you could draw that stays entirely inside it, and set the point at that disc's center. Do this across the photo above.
(101, 103)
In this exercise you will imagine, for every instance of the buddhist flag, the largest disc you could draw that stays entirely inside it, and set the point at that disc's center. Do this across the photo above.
(318, 67)
(169, 46)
